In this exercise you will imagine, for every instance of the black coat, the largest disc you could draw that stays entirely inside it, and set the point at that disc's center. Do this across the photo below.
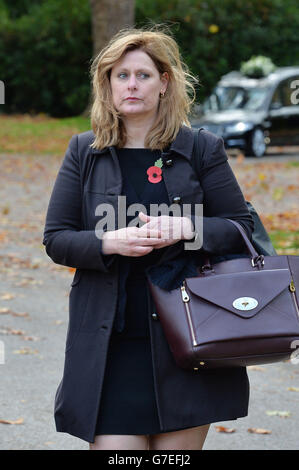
(86, 179)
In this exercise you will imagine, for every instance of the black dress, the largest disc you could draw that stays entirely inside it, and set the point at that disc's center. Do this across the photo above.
(128, 403)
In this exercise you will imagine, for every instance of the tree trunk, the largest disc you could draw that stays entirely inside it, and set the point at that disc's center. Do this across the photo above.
(107, 18)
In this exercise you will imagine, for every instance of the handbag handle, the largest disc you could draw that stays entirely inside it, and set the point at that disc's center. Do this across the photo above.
(256, 259)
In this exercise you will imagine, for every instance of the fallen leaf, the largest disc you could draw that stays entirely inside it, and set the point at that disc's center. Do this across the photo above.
(3, 236)
(259, 431)
(282, 414)
(11, 331)
(4, 310)
(262, 176)
(9, 421)
(264, 185)
(15, 314)
(240, 157)
(224, 429)
(7, 296)
(22, 283)
(261, 369)
(278, 194)
(6, 210)
(26, 282)
(30, 338)
(293, 389)
(35, 263)
(25, 351)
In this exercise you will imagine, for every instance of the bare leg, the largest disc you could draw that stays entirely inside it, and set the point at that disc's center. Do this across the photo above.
(191, 438)
(119, 442)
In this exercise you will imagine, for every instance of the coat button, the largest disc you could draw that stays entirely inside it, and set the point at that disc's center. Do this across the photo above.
(169, 162)
(176, 200)
(154, 316)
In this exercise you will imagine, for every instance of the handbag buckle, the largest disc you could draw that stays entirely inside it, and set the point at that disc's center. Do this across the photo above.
(206, 268)
(258, 259)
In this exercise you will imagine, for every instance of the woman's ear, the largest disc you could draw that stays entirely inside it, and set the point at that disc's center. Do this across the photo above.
(164, 81)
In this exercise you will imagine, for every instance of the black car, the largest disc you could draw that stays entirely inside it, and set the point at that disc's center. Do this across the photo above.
(250, 113)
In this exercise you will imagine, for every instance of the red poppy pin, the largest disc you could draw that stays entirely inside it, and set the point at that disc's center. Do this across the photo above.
(155, 172)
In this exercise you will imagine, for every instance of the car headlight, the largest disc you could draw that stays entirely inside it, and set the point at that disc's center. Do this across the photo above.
(238, 127)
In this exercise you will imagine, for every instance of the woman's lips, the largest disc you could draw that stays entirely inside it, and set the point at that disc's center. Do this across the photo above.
(132, 98)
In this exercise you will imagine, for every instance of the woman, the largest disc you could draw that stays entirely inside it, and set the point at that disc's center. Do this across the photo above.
(121, 388)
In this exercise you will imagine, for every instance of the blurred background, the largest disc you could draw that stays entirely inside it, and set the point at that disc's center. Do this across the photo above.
(245, 54)
(46, 45)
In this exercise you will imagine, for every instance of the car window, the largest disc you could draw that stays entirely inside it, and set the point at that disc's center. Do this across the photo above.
(233, 97)
(277, 99)
(255, 98)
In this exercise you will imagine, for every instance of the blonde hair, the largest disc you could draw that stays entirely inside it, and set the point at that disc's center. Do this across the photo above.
(173, 108)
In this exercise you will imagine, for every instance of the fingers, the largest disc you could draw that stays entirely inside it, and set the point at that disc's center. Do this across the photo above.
(146, 232)
(144, 217)
(145, 241)
(141, 250)
(129, 233)
(169, 227)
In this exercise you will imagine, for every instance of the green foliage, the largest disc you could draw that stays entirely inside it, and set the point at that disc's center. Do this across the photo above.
(216, 36)
(46, 45)
(19, 7)
(44, 57)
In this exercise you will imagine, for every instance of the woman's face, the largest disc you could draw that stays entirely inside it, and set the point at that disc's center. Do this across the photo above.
(136, 85)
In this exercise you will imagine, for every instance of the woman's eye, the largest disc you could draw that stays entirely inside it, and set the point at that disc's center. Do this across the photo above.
(144, 75)
(141, 75)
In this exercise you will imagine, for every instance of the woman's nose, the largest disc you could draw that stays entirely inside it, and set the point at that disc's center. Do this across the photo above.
(132, 84)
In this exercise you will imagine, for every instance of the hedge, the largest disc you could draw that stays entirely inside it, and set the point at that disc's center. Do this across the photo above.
(46, 45)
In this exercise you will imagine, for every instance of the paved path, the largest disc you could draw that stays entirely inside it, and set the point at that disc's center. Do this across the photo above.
(33, 322)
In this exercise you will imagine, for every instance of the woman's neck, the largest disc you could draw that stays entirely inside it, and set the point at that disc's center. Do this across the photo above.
(136, 130)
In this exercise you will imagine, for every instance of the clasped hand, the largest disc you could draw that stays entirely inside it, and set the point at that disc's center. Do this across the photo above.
(157, 232)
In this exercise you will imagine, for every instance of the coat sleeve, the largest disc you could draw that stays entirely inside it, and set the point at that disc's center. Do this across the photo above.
(223, 198)
(65, 241)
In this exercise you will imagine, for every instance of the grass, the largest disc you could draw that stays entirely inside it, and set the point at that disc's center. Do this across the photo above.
(292, 164)
(285, 242)
(38, 134)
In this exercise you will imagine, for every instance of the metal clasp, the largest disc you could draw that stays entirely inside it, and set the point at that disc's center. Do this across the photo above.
(206, 268)
(185, 296)
(258, 259)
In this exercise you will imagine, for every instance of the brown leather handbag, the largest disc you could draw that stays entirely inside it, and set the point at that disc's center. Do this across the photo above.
(234, 313)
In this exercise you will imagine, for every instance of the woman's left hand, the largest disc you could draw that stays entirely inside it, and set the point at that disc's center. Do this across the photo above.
(172, 229)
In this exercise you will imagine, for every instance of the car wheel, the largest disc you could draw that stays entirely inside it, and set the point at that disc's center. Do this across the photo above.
(256, 145)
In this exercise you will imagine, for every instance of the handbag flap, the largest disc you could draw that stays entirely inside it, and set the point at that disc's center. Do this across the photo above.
(244, 293)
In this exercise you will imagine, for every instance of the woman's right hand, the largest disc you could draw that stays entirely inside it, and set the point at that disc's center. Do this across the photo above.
(130, 241)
